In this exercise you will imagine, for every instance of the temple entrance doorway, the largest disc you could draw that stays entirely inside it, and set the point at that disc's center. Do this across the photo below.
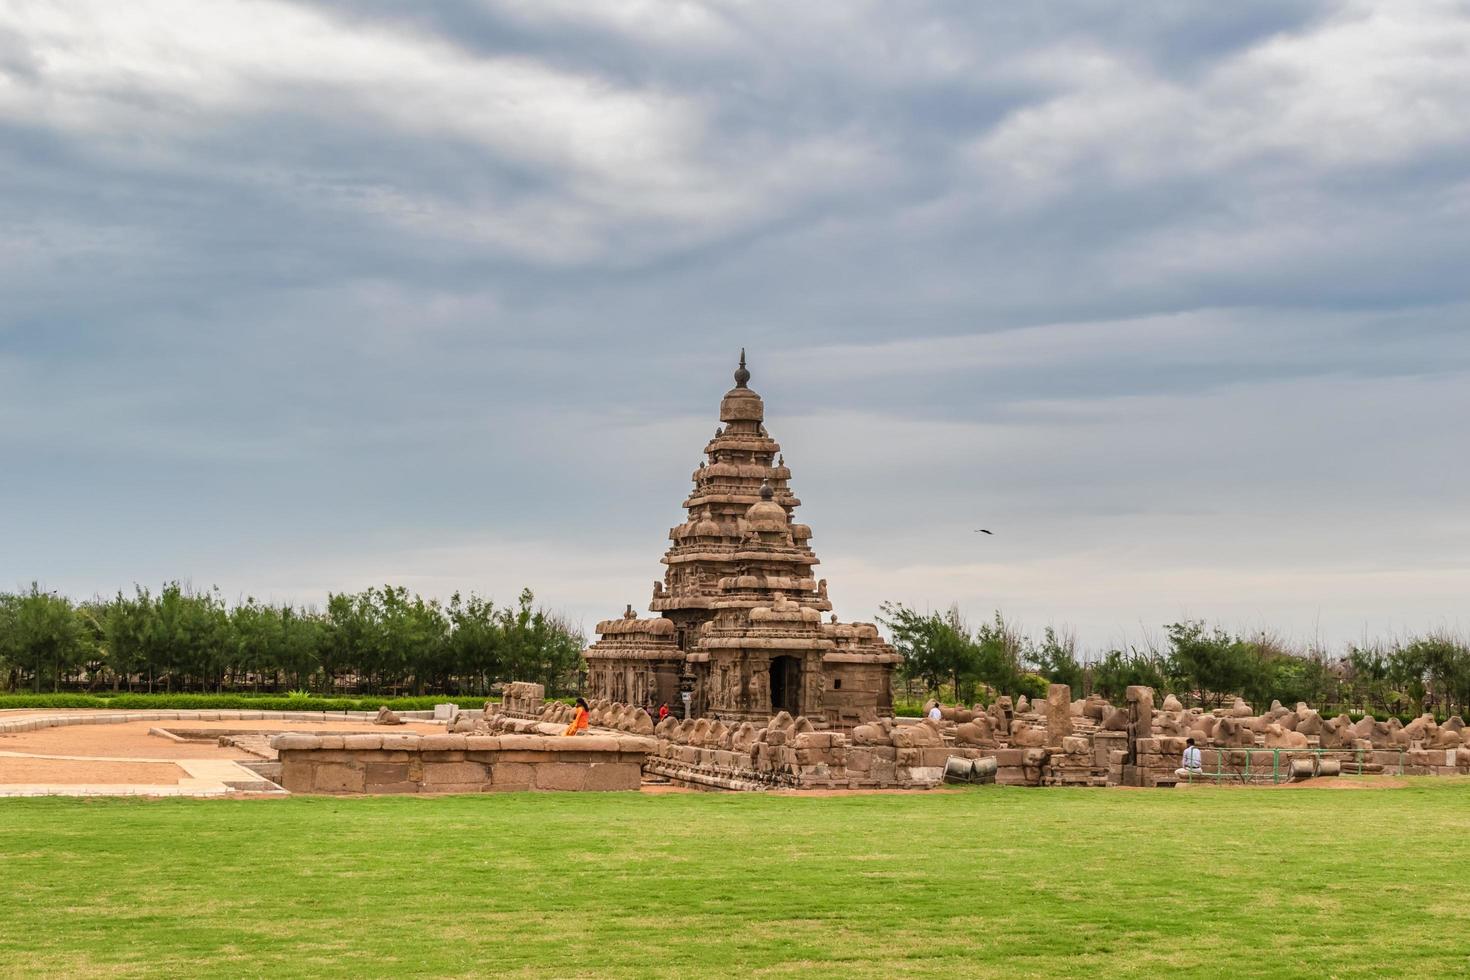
(786, 685)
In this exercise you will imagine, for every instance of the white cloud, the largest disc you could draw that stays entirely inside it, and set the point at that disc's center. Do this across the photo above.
(1375, 85)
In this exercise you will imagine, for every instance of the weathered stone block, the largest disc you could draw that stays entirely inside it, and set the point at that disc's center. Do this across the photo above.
(441, 743)
(587, 743)
(613, 776)
(560, 777)
(295, 740)
(360, 742)
(331, 777)
(511, 776)
(455, 772)
(381, 773)
(298, 779)
(401, 743)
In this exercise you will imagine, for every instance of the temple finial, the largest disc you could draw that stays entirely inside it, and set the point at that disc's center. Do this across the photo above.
(766, 492)
(741, 375)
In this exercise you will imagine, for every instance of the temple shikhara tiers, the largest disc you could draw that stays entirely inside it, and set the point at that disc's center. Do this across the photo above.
(741, 617)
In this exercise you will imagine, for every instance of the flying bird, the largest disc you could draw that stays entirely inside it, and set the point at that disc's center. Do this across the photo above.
(981, 530)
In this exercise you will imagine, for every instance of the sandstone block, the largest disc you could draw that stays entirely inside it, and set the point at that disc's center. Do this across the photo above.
(588, 743)
(442, 743)
(455, 772)
(488, 743)
(298, 778)
(295, 742)
(338, 778)
(613, 777)
(359, 742)
(511, 776)
(559, 777)
(1077, 745)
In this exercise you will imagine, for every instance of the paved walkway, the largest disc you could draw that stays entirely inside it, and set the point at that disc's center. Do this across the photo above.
(86, 752)
(203, 777)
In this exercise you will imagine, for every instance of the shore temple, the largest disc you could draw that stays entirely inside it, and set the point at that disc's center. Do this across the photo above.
(742, 624)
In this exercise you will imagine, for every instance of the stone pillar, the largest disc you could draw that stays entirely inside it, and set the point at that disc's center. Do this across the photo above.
(1058, 713)
(1001, 712)
(1140, 725)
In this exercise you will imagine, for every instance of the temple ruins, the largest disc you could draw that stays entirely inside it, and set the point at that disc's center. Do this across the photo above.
(1061, 741)
(743, 626)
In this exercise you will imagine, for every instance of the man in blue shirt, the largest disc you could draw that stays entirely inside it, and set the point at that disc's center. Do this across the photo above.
(1191, 761)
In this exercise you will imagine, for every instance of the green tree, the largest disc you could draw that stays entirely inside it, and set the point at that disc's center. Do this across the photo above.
(999, 647)
(190, 636)
(1055, 658)
(128, 629)
(935, 647)
(1213, 663)
(538, 645)
(475, 641)
(43, 636)
(1116, 671)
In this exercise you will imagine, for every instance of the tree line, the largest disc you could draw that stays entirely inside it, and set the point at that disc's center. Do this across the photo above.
(1199, 664)
(381, 641)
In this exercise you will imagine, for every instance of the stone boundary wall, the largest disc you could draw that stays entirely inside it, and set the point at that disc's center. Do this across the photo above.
(31, 723)
(405, 763)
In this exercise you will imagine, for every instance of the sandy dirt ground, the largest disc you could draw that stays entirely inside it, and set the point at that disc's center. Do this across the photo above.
(1323, 782)
(132, 741)
(83, 772)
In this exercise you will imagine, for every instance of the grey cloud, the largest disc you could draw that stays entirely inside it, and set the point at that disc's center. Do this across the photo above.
(1060, 263)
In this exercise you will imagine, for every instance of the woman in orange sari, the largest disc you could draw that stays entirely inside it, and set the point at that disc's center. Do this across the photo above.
(579, 720)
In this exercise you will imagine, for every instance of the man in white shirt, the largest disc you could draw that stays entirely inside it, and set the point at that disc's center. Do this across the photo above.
(1190, 764)
(935, 714)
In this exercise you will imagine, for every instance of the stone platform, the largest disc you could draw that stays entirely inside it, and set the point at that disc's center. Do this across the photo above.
(399, 763)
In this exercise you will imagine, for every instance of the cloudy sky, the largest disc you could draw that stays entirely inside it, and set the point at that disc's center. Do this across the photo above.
(299, 297)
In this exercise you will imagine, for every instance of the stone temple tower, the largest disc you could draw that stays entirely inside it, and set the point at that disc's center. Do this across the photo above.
(739, 608)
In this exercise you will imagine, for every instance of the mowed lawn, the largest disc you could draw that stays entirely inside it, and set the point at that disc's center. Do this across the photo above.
(984, 882)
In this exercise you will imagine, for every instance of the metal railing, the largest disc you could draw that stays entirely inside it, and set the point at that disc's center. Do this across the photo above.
(1245, 775)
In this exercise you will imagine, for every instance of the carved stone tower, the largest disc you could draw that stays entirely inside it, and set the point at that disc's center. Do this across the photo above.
(740, 608)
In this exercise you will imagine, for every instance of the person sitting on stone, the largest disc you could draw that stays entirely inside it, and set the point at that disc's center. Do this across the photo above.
(663, 711)
(1190, 764)
(935, 715)
(579, 720)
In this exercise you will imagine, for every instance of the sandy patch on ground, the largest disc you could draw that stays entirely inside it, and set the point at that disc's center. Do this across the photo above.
(1323, 782)
(1348, 782)
(131, 740)
(76, 773)
(860, 792)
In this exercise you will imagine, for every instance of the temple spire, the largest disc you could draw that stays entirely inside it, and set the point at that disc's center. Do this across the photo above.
(741, 374)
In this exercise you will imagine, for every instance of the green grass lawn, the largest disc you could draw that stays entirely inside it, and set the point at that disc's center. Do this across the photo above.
(985, 882)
